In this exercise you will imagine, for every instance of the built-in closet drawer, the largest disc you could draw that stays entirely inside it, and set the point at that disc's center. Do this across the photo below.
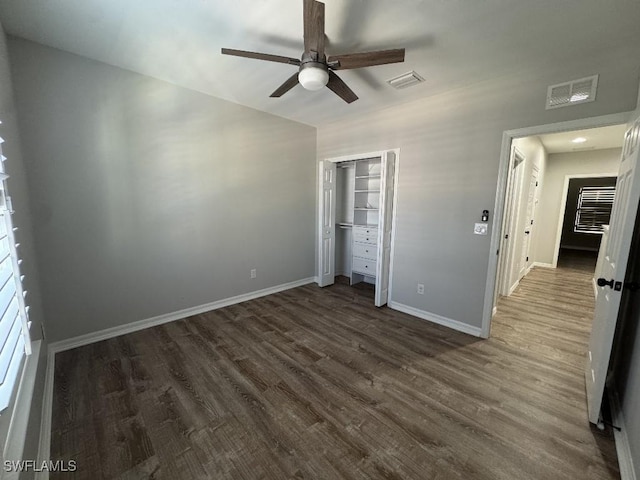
(365, 250)
(365, 234)
(364, 266)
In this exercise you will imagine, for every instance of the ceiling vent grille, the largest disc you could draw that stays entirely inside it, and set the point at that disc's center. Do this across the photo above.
(405, 80)
(575, 92)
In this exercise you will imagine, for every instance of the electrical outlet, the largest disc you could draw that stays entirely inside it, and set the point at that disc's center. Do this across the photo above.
(420, 289)
(253, 273)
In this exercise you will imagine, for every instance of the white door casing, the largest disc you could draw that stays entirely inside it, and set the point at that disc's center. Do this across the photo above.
(526, 260)
(506, 238)
(327, 224)
(614, 265)
(385, 223)
(512, 266)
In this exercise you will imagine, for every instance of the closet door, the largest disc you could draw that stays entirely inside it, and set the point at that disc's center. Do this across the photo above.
(384, 228)
(327, 227)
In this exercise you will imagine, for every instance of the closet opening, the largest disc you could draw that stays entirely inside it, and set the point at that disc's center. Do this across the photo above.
(356, 220)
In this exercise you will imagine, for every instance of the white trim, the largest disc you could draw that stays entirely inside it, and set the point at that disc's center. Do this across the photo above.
(543, 265)
(169, 317)
(394, 221)
(513, 287)
(17, 432)
(503, 170)
(434, 318)
(44, 449)
(563, 207)
(514, 191)
(360, 156)
(494, 311)
(623, 448)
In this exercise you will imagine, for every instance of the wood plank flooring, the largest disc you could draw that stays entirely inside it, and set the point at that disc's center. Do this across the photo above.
(319, 384)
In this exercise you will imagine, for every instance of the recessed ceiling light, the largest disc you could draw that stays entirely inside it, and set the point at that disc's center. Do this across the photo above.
(579, 140)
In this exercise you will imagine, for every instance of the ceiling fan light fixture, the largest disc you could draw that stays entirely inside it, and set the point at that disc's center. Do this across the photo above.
(313, 78)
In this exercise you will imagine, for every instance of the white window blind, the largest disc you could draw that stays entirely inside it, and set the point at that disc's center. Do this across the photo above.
(15, 343)
(594, 209)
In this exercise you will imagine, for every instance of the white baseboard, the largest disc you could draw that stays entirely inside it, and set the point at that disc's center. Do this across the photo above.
(543, 265)
(44, 449)
(494, 311)
(17, 432)
(513, 288)
(623, 449)
(107, 333)
(47, 405)
(432, 317)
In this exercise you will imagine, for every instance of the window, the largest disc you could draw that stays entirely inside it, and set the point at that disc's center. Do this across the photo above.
(594, 209)
(15, 343)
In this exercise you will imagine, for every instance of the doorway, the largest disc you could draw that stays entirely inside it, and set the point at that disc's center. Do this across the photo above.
(537, 214)
(357, 219)
(614, 254)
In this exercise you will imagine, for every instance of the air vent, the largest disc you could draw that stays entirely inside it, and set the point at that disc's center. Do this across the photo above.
(575, 92)
(405, 80)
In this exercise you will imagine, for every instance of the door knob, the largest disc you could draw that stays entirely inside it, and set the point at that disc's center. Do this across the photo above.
(602, 282)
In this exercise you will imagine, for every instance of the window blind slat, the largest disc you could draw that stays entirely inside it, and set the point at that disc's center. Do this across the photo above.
(15, 344)
(9, 350)
(6, 270)
(7, 292)
(7, 320)
(594, 209)
(11, 377)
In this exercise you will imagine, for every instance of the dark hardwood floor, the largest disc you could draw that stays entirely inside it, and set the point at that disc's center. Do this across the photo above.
(318, 383)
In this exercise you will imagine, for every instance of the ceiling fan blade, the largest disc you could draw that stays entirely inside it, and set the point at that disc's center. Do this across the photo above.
(261, 56)
(366, 59)
(313, 13)
(291, 82)
(337, 86)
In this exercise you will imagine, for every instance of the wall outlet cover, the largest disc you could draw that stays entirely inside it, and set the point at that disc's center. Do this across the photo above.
(481, 228)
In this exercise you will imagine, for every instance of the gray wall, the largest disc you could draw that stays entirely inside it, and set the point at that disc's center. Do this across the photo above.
(559, 165)
(17, 188)
(148, 198)
(450, 149)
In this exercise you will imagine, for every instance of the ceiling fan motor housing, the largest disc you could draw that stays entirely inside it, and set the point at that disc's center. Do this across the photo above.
(313, 74)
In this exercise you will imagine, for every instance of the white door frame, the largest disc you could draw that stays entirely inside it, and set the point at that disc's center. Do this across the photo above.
(563, 208)
(360, 156)
(535, 171)
(505, 153)
(512, 209)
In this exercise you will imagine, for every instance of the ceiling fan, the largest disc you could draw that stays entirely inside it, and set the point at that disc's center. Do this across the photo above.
(315, 69)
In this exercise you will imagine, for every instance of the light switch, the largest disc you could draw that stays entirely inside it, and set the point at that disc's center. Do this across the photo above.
(481, 228)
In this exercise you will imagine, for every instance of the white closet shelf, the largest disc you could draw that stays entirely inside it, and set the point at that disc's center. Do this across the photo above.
(344, 224)
(368, 176)
(367, 191)
(366, 208)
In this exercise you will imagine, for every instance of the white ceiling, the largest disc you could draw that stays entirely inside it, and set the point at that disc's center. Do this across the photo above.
(596, 139)
(451, 43)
